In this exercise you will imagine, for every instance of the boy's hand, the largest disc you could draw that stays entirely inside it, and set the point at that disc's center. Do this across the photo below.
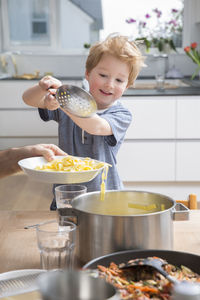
(50, 101)
(48, 82)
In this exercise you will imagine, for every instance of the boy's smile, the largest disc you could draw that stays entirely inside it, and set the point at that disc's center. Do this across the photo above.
(108, 80)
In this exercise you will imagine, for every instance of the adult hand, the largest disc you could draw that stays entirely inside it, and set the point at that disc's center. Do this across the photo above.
(49, 151)
(9, 158)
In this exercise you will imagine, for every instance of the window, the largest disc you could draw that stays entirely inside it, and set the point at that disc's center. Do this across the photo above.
(40, 19)
(136, 18)
(69, 24)
(28, 24)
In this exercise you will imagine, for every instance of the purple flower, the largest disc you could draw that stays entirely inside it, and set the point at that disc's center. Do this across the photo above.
(158, 12)
(130, 21)
(174, 10)
(173, 22)
(147, 16)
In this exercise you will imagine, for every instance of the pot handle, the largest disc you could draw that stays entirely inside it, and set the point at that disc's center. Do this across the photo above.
(68, 212)
(180, 212)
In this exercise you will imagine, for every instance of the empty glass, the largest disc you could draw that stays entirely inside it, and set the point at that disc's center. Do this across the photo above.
(64, 196)
(160, 71)
(56, 244)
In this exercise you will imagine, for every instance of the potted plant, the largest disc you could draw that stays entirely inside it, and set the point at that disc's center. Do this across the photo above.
(194, 54)
(157, 33)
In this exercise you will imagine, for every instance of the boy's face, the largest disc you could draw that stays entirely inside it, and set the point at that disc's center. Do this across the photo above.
(108, 80)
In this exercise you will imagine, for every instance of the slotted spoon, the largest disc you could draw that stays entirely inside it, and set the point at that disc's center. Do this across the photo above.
(154, 262)
(76, 101)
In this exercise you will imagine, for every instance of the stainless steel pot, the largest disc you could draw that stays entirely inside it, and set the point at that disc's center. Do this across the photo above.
(75, 285)
(108, 226)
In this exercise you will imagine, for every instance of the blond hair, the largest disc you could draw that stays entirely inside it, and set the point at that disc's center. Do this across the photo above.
(120, 47)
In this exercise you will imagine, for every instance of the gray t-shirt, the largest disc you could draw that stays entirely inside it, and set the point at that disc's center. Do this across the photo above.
(75, 142)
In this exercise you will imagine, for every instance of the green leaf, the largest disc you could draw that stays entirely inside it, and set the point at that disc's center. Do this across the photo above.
(171, 43)
(195, 73)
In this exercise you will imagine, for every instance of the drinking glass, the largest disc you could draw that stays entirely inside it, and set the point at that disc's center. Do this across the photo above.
(56, 245)
(160, 70)
(65, 194)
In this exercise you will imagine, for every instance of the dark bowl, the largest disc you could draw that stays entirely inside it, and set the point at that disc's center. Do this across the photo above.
(176, 258)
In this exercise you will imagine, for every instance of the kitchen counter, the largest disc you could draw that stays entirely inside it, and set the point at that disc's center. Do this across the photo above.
(184, 91)
(18, 247)
(144, 86)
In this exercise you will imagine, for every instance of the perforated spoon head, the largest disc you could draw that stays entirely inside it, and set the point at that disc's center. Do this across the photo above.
(76, 101)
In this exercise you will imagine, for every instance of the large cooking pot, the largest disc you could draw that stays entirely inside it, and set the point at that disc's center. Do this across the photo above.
(123, 220)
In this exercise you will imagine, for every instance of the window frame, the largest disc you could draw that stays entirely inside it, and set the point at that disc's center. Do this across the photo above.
(5, 42)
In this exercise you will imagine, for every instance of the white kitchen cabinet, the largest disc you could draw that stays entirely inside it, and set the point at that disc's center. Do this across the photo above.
(153, 117)
(188, 139)
(147, 161)
(188, 161)
(27, 123)
(11, 93)
(148, 153)
(9, 142)
(188, 117)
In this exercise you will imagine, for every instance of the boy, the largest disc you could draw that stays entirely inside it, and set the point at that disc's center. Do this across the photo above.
(111, 67)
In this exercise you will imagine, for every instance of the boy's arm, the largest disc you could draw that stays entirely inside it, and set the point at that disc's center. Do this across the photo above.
(94, 125)
(36, 95)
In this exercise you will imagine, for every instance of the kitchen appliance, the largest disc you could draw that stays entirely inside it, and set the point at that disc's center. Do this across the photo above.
(109, 226)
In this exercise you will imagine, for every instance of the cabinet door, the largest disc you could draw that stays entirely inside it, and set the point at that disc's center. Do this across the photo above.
(153, 117)
(188, 161)
(11, 93)
(147, 161)
(20, 123)
(188, 117)
(10, 142)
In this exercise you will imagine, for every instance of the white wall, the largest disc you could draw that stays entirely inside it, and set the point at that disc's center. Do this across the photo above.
(75, 21)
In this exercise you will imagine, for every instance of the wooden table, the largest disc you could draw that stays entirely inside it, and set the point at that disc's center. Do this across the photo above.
(18, 246)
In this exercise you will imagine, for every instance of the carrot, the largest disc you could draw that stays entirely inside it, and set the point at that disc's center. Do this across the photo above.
(114, 273)
(102, 268)
(148, 289)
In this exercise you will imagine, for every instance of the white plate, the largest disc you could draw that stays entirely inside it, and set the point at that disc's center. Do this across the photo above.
(18, 282)
(28, 166)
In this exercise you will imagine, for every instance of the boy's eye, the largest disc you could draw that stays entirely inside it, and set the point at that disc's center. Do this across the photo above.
(102, 75)
(119, 80)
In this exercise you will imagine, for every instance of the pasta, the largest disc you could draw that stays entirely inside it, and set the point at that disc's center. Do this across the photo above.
(77, 164)
(103, 185)
(71, 164)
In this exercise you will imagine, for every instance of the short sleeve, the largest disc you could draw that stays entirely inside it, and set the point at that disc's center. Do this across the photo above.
(47, 115)
(119, 120)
